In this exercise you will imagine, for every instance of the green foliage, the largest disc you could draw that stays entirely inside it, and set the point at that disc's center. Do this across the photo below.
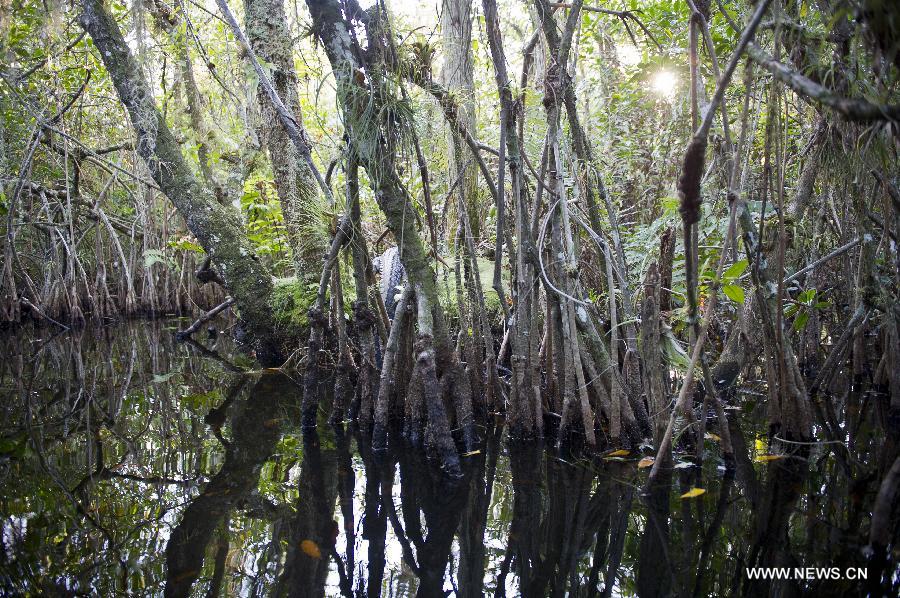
(291, 300)
(265, 222)
(808, 302)
(158, 256)
(202, 401)
(447, 288)
(731, 288)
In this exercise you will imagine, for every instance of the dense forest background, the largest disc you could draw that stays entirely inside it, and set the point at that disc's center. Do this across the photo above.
(663, 231)
(599, 209)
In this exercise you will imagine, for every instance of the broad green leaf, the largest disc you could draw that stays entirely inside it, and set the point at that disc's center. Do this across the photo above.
(735, 270)
(801, 320)
(734, 292)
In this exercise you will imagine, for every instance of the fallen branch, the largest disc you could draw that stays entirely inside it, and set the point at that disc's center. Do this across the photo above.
(38, 311)
(840, 250)
(184, 334)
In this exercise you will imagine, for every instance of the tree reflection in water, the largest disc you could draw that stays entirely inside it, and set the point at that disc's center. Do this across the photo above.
(134, 466)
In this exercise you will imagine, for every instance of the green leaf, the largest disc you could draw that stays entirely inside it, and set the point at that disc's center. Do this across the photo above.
(800, 321)
(185, 245)
(807, 296)
(734, 292)
(203, 400)
(735, 270)
(156, 256)
(673, 352)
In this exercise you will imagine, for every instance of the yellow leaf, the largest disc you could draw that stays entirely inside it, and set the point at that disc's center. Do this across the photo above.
(693, 492)
(645, 462)
(767, 458)
(619, 453)
(311, 549)
(470, 453)
(711, 436)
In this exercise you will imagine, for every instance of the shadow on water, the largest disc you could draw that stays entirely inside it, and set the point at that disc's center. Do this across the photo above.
(132, 465)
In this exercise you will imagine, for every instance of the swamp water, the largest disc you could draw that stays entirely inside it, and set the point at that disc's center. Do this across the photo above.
(132, 465)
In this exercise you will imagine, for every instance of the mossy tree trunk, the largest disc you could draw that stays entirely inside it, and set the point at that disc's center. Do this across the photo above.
(267, 31)
(217, 228)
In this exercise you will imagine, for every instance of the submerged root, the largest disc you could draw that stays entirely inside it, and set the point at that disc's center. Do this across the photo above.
(438, 440)
(312, 378)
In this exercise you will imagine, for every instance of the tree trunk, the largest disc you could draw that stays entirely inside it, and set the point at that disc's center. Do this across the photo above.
(457, 76)
(267, 31)
(216, 228)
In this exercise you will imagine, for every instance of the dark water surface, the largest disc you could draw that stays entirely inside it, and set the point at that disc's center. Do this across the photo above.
(131, 465)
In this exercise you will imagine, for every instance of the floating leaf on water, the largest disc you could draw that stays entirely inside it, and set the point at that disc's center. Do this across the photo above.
(767, 458)
(693, 493)
(310, 549)
(645, 462)
(470, 453)
(618, 453)
(711, 436)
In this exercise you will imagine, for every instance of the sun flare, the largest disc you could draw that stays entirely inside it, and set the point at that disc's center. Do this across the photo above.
(664, 83)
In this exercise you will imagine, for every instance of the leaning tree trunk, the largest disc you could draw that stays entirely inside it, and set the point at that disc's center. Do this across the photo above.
(267, 30)
(216, 228)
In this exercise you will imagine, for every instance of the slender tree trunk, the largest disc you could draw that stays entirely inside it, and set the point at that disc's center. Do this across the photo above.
(457, 75)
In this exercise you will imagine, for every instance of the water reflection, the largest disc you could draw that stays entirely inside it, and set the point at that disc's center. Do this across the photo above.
(132, 465)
